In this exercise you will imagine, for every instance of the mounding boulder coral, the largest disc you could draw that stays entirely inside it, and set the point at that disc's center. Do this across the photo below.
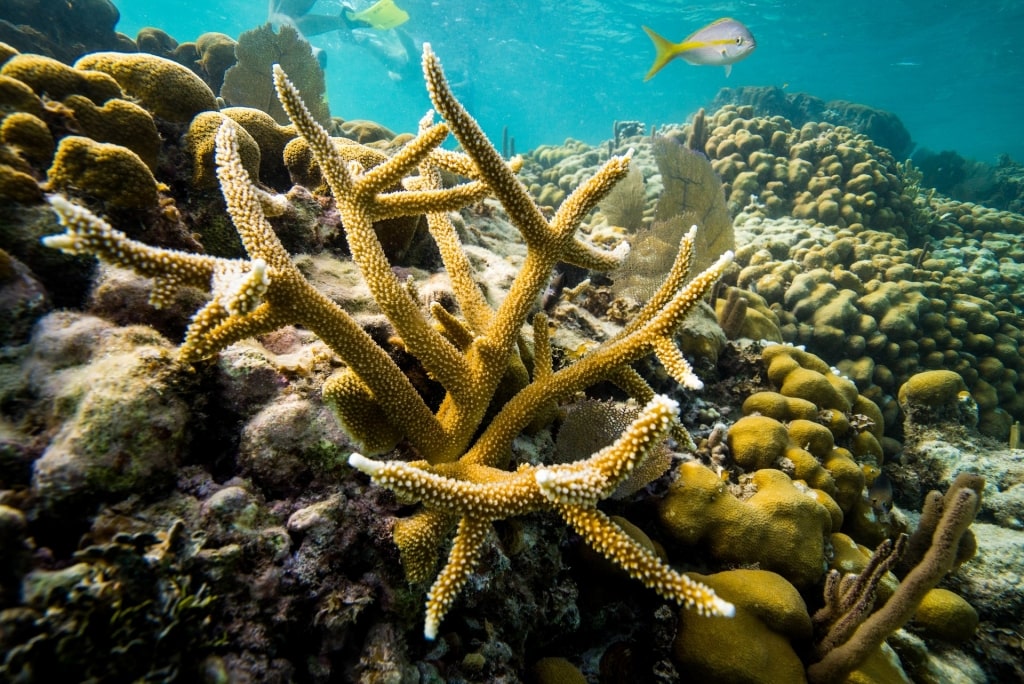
(773, 522)
(934, 395)
(883, 127)
(770, 617)
(164, 87)
(881, 311)
(111, 173)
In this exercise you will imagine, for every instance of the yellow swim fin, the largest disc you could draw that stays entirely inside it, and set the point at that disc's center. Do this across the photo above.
(382, 15)
(664, 51)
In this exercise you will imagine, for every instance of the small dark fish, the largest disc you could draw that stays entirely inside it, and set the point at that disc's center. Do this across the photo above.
(880, 497)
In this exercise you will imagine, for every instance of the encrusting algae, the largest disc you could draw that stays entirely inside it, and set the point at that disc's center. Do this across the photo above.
(459, 478)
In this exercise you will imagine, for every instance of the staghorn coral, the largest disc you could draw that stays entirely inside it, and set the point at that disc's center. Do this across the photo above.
(199, 140)
(481, 494)
(590, 425)
(272, 140)
(470, 356)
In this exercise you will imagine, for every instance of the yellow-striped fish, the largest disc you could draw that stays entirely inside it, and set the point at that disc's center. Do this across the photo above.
(720, 43)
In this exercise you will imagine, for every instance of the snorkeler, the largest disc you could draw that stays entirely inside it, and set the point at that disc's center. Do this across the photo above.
(375, 28)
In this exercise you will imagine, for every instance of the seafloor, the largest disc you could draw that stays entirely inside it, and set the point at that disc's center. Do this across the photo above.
(176, 496)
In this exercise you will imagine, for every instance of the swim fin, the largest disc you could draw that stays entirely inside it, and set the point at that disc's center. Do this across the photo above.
(382, 15)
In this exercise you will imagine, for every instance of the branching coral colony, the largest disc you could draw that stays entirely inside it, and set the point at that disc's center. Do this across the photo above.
(459, 479)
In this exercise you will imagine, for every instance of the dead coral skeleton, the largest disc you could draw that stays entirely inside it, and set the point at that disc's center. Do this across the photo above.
(469, 355)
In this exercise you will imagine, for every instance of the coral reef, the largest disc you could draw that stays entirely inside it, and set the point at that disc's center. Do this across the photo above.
(62, 30)
(162, 86)
(883, 127)
(998, 186)
(881, 311)
(208, 504)
(261, 295)
(940, 293)
(471, 359)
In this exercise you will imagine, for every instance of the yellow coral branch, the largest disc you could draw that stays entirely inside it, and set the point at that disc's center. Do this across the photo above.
(86, 233)
(480, 494)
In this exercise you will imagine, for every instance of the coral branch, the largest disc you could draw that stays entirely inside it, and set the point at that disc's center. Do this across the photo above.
(842, 656)
(480, 494)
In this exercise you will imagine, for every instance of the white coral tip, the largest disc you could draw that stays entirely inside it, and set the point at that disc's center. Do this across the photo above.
(667, 403)
(723, 608)
(367, 465)
(61, 241)
(543, 476)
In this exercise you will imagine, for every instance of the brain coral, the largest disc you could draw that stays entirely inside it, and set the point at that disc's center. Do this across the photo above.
(57, 80)
(111, 173)
(199, 140)
(120, 122)
(16, 96)
(164, 87)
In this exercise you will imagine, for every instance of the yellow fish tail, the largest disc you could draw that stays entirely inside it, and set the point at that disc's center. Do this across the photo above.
(664, 51)
(382, 15)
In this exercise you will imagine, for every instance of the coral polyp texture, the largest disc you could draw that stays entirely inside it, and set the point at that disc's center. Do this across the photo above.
(471, 352)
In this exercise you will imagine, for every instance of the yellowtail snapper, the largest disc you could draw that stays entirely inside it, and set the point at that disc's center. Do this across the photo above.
(720, 43)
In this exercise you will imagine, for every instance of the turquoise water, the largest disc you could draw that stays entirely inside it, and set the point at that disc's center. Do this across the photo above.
(952, 71)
